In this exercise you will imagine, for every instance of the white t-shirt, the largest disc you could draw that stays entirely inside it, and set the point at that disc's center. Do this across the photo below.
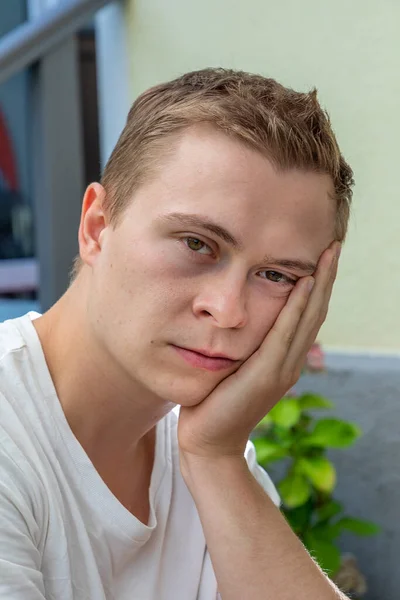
(63, 534)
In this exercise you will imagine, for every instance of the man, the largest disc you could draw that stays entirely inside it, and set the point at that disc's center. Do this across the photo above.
(207, 259)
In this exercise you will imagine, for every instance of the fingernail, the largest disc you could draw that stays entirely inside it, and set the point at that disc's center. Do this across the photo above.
(310, 284)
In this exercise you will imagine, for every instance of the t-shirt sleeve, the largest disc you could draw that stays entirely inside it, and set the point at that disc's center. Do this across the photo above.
(260, 474)
(20, 559)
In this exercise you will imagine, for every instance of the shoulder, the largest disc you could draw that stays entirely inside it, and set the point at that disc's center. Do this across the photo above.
(20, 385)
(22, 494)
(11, 339)
(21, 456)
(16, 344)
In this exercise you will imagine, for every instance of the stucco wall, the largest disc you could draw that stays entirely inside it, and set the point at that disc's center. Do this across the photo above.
(368, 472)
(350, 51)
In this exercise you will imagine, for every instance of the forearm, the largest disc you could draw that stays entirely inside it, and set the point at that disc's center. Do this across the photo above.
(254, 552)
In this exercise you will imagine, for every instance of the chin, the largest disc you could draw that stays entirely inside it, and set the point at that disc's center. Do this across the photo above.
(186, 393)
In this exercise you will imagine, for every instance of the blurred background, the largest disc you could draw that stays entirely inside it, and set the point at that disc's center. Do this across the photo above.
(69, 70)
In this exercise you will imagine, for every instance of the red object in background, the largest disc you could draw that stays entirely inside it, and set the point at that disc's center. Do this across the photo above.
(315, 363)
(315, 360)
(7, 159)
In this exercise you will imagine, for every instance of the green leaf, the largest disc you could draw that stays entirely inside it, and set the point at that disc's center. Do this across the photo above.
(264, 423)
(325, 553)
(326, 532)
(319, 470)
(311, 401)
(332, 433)
(267, 450)
(283, 436)
(286, 413)
(299, 518)
(295, 490)
(359, 526)
(329, 510)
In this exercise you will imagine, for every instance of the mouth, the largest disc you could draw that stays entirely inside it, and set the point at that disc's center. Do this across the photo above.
(202, 359)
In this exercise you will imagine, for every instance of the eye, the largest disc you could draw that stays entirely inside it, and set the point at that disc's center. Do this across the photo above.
(197, 246)
(277, 277)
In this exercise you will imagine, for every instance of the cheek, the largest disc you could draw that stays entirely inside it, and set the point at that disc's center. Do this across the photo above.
(265, 314)
(150, 288)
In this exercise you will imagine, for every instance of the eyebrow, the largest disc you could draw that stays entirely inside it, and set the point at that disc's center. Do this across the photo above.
(204, 222)
(299, 265)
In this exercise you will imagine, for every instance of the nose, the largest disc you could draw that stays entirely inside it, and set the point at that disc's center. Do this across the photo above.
(223, 300)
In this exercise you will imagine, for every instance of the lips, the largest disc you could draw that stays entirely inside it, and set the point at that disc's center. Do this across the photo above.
(210, 354)
(202, 359)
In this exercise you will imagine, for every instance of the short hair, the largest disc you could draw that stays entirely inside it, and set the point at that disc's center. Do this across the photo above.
(290, 128)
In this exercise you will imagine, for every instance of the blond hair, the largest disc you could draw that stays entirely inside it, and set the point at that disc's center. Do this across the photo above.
(288, 127)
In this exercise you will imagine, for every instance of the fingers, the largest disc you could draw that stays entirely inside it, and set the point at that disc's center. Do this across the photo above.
(316, 310)
(286, 345)
(281, 336)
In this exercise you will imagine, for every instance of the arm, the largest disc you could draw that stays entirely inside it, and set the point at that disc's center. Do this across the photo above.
(254, 552)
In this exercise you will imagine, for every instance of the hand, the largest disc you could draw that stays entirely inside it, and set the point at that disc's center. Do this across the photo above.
(221, 424)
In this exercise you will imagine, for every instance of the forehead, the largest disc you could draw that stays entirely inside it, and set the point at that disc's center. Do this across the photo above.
(213, 174)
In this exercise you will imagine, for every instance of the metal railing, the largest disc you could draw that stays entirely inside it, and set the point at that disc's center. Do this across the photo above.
(28, 42)
(48, 40)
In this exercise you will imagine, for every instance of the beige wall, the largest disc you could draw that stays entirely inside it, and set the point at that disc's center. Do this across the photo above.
(351, 52)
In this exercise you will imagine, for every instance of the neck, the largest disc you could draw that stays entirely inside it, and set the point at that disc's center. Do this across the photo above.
(109, 413)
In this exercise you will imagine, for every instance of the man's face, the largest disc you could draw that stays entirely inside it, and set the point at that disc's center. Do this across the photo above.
(204, 259)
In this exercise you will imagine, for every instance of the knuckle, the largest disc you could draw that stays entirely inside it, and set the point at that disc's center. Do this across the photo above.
(291, 376)
(318, 318)
(323, 315)
(288, 337)
(285, 335)
(295, 375)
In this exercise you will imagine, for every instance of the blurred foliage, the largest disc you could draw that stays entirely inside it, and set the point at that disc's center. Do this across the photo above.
(291, 433)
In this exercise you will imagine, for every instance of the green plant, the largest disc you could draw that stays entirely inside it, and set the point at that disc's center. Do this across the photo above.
(292, 434)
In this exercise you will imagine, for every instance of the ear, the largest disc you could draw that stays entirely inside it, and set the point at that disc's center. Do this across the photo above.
(93, 223)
